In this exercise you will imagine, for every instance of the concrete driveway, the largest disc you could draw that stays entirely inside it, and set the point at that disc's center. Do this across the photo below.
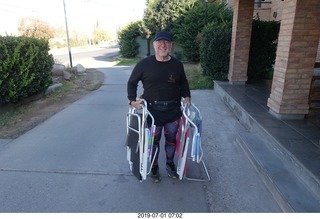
(76, 162)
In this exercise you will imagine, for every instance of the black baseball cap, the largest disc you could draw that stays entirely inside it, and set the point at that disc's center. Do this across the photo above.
(163, 35)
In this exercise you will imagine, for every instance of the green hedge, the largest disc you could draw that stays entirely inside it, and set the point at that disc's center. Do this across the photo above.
(263, 49)
(215, 50)
(188, 28)
(25, 67)
(129, 48)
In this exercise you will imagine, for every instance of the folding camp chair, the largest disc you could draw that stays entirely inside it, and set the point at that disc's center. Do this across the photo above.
(139, 141)
(190, 135)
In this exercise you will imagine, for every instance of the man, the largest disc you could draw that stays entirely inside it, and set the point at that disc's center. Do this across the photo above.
(164, 83)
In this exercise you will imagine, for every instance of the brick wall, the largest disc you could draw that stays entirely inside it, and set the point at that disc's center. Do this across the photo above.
(318, 54)
(297, 47)
(263, 13)
(276, 8)
(240, 42)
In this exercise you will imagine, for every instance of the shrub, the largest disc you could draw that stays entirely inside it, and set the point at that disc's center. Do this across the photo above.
(215, 50)
(129, 48)
(25, 67)
(188, 27)
(262, 49)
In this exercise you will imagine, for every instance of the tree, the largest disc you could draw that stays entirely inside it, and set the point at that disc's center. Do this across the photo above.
(161, 14)
(34, 27)
(188, 28)
(215, 50)
(129, 48)
(100, 35)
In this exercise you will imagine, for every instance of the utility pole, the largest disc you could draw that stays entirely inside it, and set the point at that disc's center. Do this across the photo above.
(68, 39)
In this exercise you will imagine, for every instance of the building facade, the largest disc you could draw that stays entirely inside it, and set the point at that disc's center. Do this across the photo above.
(297, 52)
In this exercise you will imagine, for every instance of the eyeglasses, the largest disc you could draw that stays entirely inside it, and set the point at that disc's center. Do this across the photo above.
(166, 42)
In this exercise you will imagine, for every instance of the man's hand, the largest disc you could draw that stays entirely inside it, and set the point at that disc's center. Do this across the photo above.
(137, 104)
(187, 101)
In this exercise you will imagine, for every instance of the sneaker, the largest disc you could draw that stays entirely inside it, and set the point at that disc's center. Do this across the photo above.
(155, 176)
(172, 172)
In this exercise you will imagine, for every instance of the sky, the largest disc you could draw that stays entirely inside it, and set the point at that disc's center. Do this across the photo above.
(82, 15)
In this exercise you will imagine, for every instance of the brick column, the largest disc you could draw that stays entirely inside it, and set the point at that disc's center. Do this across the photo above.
(240, 42)
(296, 54)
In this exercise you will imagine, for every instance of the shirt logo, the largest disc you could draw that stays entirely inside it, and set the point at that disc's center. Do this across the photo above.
(171, 79)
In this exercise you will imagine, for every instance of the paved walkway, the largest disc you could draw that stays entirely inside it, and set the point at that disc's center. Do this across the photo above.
(76, 162)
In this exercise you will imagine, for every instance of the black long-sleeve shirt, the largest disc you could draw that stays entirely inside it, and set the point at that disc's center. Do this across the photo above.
(161, 80)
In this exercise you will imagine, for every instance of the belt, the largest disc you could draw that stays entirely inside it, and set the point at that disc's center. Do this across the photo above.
(162, 102)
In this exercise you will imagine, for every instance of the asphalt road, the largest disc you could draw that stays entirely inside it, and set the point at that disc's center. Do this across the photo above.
(76, 161)
(85, 56)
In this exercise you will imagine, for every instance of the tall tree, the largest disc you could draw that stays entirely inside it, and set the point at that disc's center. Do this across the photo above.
(34, 27)
(161, 14)
(187, 29)
(100, 35)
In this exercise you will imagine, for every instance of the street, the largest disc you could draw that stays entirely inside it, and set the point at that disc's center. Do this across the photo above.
(84, 56)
